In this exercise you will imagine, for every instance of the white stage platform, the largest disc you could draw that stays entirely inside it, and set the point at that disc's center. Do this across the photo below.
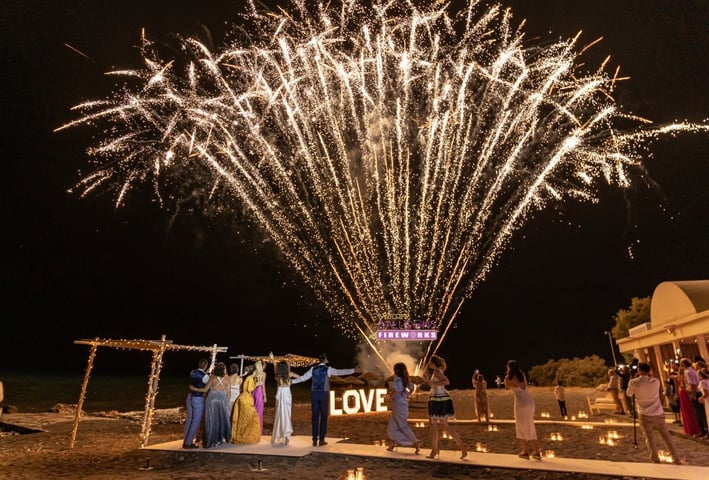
(300, 446)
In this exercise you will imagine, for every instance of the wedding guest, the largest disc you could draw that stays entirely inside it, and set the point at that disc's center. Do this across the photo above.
(320, 395)
(686, 410)
(651, 413)
(516, 381)
(614, 389)
(195, 403)
(560, 395)
(482, 408)
(624, 377)
(704, 390)
(672, 396)
(440, 407)
(235, 382)
(245, 427)
(282, 424)
(259, 392)
(692, 382)
(217, 426)
(399, 432)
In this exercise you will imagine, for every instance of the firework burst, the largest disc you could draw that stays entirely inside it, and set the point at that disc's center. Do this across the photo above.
(389, 151)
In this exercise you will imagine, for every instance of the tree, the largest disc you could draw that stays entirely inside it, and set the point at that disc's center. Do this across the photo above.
(637, 314)
(579, 372)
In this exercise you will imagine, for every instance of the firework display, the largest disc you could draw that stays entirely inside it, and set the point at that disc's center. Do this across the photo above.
(390, 150)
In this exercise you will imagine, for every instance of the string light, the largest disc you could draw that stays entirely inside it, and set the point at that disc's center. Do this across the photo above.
(158, 347)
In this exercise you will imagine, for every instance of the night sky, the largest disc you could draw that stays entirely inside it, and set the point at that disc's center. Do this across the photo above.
(78, 268)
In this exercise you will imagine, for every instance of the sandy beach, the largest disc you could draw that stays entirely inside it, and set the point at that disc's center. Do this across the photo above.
(108, 444)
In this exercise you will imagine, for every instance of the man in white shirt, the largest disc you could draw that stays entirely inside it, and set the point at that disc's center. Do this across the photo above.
(652, 415)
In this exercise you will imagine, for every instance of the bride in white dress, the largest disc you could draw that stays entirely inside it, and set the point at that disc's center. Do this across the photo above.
(282, 425)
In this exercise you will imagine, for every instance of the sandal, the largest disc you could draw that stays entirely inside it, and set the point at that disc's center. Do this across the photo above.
(418, 447)
(537, 455)
(523, 455)
(433, 454)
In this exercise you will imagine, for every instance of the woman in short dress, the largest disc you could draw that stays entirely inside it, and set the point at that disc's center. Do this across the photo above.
(440, 407)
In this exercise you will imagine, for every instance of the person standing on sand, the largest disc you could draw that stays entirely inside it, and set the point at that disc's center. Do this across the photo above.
(526, 432)
(482, 409)
(320, 396)
(651, 413)
(560, 396)
(195, 403)
(614, 389)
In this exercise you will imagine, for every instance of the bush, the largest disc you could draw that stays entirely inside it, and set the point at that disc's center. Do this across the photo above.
(579, 372)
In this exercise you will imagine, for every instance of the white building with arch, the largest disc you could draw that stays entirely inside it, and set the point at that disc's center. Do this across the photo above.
(678, 327)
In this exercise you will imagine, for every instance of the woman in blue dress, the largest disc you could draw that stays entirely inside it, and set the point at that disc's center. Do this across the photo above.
(399, 431)
(217, 425)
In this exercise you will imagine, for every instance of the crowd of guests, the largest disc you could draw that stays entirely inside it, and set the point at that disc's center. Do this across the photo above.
(688, 387)
(228, 406)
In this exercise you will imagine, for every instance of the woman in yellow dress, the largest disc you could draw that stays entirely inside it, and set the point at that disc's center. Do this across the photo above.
(245, 426)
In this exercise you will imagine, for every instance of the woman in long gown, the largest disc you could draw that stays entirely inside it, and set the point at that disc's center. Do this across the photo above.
(217, 427)
(440, 407)
(690, 425)
(399, 431)
(245, 428)
(526, 432)
(282, 424)
(259, 392)
(235, 380)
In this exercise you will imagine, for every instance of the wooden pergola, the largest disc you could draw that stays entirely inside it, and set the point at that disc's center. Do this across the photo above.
(158, 347)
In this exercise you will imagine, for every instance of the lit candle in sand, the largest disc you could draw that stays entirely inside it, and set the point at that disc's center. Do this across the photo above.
(665, 457)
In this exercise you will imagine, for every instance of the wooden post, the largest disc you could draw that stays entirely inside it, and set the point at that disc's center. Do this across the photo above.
(153, 388)
(82, 395)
